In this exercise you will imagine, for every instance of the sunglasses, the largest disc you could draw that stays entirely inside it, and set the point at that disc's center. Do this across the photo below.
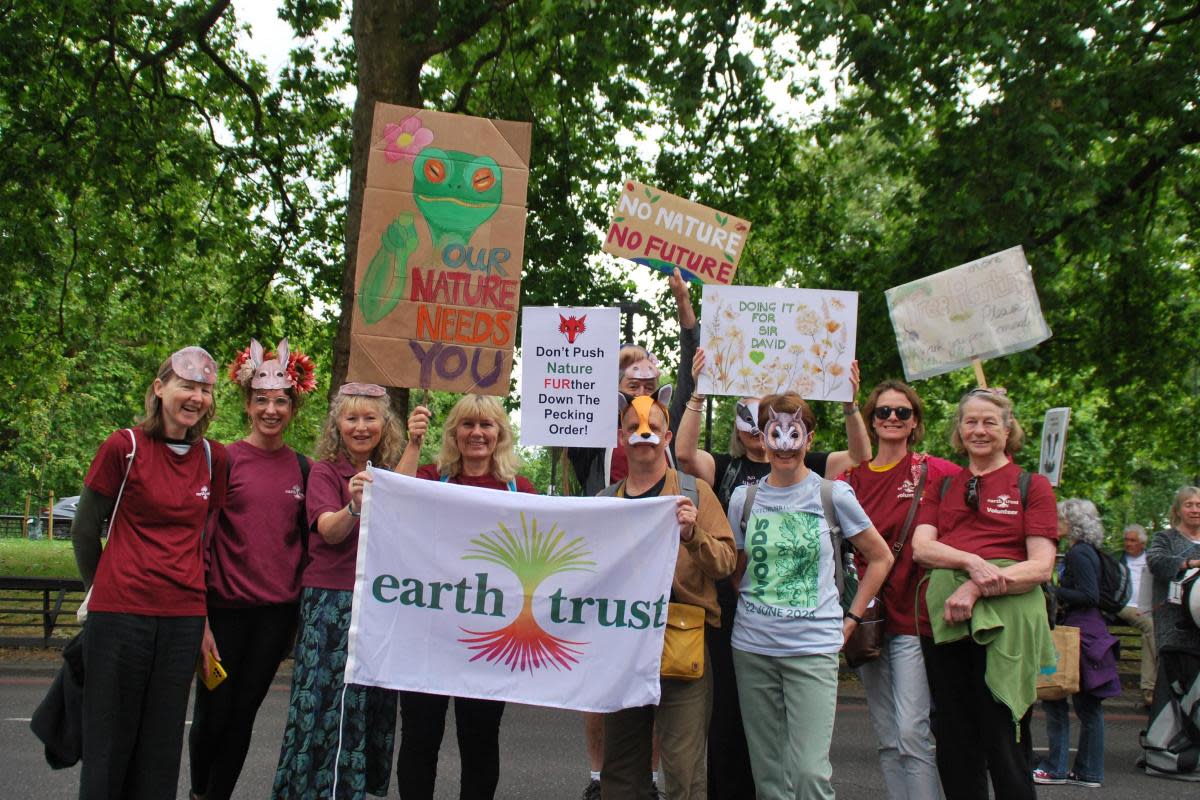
(903, 413)
(972, 496)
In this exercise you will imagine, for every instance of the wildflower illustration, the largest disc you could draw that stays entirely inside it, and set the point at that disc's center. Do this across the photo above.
(799, 554)
(532, 557)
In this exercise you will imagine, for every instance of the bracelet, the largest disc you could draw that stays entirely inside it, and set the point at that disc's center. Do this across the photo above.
(696, 408)
(850, 412)
(699, 398)
(855, 617)
(350, 510)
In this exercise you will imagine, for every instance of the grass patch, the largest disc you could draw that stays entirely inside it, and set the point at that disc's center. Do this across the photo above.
(38, 558)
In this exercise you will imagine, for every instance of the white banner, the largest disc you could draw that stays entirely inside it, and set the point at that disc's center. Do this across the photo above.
(550, 601)
(761, 340)
(569, 359)
(983, 309)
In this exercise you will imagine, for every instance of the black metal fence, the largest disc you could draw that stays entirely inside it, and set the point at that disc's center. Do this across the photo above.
(38, 611)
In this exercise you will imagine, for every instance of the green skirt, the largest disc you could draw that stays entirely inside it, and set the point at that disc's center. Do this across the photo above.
(320, 712)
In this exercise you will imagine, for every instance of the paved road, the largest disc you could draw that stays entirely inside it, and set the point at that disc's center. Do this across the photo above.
(542, 752)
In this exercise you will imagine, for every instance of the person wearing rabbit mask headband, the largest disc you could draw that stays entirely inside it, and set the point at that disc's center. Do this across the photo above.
(256, 553)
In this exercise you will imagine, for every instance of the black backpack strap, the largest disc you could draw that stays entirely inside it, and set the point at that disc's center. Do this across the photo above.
(727, 481)
(304, 467)
(687, 487)
(942, 489)
(611, 490)
(1023, 481)
(748, 506)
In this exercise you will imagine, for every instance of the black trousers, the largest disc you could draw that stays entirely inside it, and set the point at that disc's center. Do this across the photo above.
(252, 641)
(423, 723)
(729, 774)
(975, 734)
(137, 673)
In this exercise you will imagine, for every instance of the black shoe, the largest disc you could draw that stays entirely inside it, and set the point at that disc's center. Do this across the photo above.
(592, 791)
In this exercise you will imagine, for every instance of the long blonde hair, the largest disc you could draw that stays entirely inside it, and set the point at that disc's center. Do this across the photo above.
(330, 446)
(505, 463)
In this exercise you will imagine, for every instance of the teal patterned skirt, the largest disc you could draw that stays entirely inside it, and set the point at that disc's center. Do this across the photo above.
(365, 718)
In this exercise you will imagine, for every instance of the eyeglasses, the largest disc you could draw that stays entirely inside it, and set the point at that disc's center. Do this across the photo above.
(972, 497)
(903, 413)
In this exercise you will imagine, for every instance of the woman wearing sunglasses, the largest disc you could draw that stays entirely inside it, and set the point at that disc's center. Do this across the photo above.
(888, 487)
(989, 536)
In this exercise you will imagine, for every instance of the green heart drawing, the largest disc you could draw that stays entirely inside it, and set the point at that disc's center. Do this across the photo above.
(757, 356)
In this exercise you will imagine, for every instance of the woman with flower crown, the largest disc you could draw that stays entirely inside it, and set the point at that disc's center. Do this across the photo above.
(255, 555)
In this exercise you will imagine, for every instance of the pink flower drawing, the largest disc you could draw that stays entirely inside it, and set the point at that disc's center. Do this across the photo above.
(405, 139)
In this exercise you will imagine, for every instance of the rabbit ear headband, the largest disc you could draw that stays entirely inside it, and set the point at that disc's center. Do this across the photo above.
(284, 369)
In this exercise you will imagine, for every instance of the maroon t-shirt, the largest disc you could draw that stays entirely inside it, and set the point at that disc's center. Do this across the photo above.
(999, 528)
(153, 563)
(257, 542)
(330, 566)
(430, 472)
(887, 497)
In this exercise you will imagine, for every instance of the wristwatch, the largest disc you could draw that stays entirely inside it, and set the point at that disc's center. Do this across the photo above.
(350, 510)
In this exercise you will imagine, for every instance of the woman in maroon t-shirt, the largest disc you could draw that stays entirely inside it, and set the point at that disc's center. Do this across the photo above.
(158, 482)
(334, 729)
(477, 450)
(897, 691)
(255, 552)
(987, 533)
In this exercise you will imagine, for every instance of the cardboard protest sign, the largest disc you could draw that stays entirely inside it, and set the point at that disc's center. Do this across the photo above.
(1054, 444)
(760, 340)
(660, 230)
(979, 310)
(569, 359)
(473, 592)
(440, 247)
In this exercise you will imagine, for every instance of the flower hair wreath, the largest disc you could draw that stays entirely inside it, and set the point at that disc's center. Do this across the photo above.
(300, 371)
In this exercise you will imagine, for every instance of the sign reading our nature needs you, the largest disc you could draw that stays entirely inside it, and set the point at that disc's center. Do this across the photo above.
(978, 310)
(511, 596)
(761, 340)
(659, 230)
(569, 361)
(438, 278)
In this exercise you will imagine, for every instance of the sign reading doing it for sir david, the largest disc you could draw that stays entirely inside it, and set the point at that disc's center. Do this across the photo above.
(569, 359)
(438, 278)
(511, 596)
(762, 340)
(979, 310)
(659, 230)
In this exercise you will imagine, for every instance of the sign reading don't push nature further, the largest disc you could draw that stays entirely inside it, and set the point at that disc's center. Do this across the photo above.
(569, 360)
(438, 278)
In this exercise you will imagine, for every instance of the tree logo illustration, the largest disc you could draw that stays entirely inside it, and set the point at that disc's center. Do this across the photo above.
(532, 557)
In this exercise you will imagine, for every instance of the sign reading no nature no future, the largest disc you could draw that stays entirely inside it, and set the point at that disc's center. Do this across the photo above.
(660, 230)
(438, 279)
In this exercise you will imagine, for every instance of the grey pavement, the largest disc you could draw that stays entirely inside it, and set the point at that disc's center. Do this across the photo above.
(542, 750)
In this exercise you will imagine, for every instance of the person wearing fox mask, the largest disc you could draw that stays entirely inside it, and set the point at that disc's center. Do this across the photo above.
(254, 563)
(706, 554)
(790, 624)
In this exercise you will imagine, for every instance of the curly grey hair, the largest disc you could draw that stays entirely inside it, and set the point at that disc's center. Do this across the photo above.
(1083, 521)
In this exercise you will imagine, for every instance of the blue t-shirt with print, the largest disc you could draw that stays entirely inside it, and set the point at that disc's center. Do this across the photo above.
(787, 601)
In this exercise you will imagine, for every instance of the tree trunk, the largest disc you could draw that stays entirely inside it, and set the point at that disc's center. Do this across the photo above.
(387, 39)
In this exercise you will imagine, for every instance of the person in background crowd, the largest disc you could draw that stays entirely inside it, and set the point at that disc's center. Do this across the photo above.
(145, 626)
(255, 557)
(477, 450)
(339, 738)
(729, 773)
(1078, 592)
(897, 690)
(1135, 614)
(705, 554)
(989, 545)
(790, 626)
(596, 468)
(1172, 553)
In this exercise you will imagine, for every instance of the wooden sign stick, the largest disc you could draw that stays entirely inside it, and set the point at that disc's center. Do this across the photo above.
(566, 473)
(980, 378)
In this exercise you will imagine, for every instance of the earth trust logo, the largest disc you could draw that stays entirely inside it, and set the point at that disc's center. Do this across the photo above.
(533, 557)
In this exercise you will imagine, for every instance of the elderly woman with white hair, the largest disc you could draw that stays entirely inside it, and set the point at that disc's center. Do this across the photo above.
(1079, 593)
